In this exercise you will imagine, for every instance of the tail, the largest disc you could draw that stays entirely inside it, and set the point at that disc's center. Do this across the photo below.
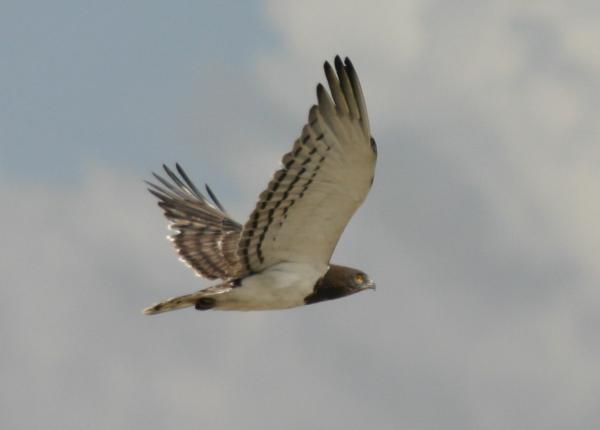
(201, 300)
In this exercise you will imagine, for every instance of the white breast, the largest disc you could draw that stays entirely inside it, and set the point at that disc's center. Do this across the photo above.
(284, 285)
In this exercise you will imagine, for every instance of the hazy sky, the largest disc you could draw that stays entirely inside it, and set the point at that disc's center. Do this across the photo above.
(482, 229)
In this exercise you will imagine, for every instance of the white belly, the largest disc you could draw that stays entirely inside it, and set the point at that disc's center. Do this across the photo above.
(284, 285)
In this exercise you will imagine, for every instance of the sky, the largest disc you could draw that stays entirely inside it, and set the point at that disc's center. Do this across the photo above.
(482, 229)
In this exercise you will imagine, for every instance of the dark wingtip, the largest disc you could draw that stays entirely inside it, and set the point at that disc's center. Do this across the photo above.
(320, 90)
(339, 65)
(151, 186)
(214, 198)
(156, 194)
(188, 181)
(349, 65)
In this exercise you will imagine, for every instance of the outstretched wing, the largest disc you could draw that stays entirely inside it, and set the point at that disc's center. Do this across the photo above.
(325, 178)
(207, 238)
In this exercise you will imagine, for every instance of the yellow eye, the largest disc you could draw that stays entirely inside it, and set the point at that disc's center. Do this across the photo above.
(359, 278)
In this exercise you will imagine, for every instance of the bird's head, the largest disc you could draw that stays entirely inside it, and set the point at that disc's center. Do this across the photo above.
(340, 281)
(356, 280)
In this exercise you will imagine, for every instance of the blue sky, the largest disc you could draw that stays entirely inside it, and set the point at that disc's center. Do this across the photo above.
(481, 229)
(105, 81)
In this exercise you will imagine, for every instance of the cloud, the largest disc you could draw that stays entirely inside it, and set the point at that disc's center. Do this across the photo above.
(481, 232)
(485, 186)
(498, 89)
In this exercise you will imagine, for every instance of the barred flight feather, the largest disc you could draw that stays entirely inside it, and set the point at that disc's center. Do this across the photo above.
(207, 238)
(324, 179)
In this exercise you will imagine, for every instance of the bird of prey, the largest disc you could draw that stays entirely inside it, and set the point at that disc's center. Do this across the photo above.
(281, 257)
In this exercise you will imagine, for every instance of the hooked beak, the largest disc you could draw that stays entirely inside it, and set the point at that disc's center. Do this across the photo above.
(371, 285)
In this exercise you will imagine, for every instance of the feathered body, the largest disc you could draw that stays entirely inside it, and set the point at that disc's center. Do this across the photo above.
(280, 258)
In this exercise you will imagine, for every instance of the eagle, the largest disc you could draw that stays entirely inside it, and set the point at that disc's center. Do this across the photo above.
(280, 258)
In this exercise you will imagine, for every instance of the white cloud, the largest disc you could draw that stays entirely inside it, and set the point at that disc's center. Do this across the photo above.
(312, 30)
(481, 232)
(488, 139)
(482, 80)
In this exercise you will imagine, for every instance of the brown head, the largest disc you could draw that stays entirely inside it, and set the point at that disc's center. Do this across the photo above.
(339, 281)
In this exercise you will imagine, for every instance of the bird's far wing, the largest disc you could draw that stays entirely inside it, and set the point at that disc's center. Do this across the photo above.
(325, 178)
(207, 238)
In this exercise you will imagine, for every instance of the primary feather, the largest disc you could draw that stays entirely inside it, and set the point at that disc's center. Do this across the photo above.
(324, 179)
(207, 238)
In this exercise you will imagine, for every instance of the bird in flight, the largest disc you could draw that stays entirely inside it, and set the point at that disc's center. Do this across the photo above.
(281, 257)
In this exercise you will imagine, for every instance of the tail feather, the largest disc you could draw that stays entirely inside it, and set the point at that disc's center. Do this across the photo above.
(187, 300)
